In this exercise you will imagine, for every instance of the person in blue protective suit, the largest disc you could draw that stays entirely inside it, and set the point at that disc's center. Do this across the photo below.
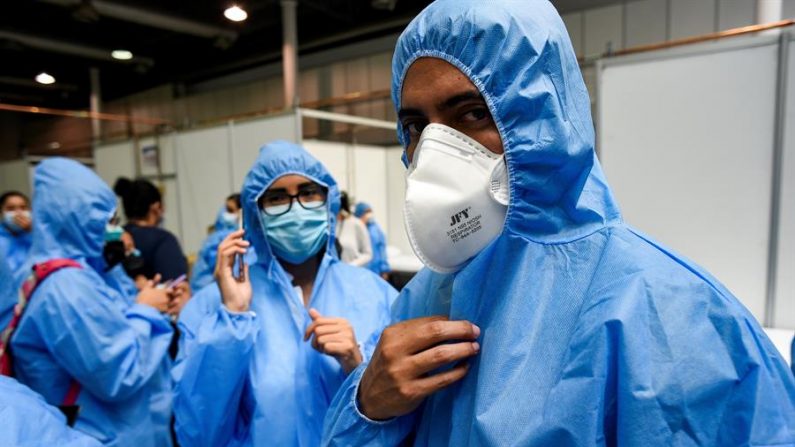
(29, 421)
(248, 373)
(15, 229)
(227, 221)
(379, 264)
(542, 318)
(76, 328)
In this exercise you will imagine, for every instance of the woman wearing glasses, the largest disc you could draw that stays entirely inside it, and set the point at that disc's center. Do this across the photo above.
(263, 354)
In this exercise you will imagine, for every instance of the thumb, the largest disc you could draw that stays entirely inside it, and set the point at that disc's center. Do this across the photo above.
(314, 314)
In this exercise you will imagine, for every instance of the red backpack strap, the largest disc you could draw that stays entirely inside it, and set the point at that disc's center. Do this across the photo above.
(38, 274)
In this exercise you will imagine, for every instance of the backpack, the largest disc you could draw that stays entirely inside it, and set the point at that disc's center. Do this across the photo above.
(39, 273)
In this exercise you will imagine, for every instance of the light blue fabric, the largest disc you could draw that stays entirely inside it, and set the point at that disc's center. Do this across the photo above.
(379, 264)
(592, 333)
(160, 385)
(201, 272)
(14, 247)
(298, 234)
(8, 295)
(247, 379)
(78, 327)
(361, 208)
(28, 421)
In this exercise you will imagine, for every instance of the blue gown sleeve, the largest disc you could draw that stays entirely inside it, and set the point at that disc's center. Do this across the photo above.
(346, 426)
(112, 354)
(29, 421)
(673, 364)
(211, 372)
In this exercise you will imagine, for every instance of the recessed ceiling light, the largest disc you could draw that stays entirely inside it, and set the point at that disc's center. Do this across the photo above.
(122, 55)
(235, 13)
(44, 78)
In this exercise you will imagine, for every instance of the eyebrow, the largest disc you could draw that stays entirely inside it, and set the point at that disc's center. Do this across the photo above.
(448, 103)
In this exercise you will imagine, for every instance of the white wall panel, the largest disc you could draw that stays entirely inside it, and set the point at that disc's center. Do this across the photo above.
(785, 290)
(736, 13)
(573, 23)
(692, 17)
(371, 180)
(16, 175)
(114, 160)
(645, 21)
(603, 27)
(249, 136)
(687, 147)
(204, 180)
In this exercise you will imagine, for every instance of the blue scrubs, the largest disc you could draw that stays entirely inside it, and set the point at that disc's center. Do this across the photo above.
(76, 326)
(379, 264)
(592, 332)
(202, 271)
(29, 421)
(14, 246)
(249, 379)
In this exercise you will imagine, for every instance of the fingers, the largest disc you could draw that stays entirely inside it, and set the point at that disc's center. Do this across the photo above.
(314, 314)
(434, 331)
(443, 354)
(428, 385)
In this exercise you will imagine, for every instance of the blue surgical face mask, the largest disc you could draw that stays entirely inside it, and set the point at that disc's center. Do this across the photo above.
(229, 220)
(113, 232)
(8, 219)
(298, 234)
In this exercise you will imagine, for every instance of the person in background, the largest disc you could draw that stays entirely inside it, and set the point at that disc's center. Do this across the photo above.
(227, 221)
(15, 228)
(143, 206)
(262, 356)
(379, 264)
(354, 242)
(77, 331)
(542, 319)
(29, 421)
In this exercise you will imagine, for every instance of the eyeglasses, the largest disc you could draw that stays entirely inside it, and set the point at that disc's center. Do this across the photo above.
(276, 203)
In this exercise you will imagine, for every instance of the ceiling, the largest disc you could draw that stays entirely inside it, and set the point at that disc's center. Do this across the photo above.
(174, 41)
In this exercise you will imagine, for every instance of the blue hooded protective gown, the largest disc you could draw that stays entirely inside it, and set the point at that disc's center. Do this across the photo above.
(160, 385)
(379, 264)
(78, 327)
(249, 379)
(201, 273)
(27, 420)
(14, 247)
(592, 333)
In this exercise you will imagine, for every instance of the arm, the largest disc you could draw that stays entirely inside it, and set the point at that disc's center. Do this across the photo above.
(211, 372)
(111, 353)
(363, 247)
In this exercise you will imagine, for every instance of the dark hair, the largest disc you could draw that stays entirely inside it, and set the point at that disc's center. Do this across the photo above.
(8, 194)
(136, 196)
(236, 198)
(345, 205)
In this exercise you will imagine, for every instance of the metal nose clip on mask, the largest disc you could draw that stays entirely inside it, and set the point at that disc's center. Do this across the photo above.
(457, 195)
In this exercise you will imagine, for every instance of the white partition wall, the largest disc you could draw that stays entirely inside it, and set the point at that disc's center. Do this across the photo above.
(785, 284)
(248, 136)
(686, 137)
(197, 169)
(16, 175)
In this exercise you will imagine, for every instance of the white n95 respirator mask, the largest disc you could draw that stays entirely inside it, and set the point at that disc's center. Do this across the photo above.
(457, 196)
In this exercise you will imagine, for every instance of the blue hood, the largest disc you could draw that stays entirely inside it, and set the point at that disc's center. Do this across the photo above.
(71, 206)
(275, 160)
(521, 59)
